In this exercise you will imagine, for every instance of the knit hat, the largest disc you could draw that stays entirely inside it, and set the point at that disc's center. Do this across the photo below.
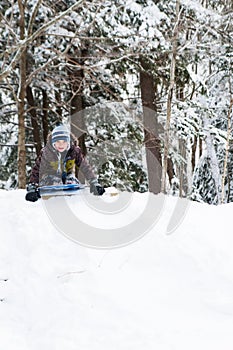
(60, 132)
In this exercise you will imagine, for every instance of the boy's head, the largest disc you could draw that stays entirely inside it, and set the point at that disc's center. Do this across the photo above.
(61, 138)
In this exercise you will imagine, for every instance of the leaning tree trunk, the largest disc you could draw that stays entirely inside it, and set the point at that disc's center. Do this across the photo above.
(21, 105)
(152, 142)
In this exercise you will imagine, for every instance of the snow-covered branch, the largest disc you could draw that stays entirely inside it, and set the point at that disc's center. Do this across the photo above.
(24, 43)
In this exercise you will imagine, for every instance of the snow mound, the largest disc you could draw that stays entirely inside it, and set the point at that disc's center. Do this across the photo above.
(161, 292)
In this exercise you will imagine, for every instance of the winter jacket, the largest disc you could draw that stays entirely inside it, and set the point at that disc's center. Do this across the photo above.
(52, 163)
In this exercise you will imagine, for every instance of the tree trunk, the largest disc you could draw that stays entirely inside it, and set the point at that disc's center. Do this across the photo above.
(170, 170)
(184, 186)
(21, 105)
(58, 99)
(45, 116)
(194, 148)
(35, 127)
(227, 150)
(169, 100)
(77, 105)
(77, 115)
(152, 142)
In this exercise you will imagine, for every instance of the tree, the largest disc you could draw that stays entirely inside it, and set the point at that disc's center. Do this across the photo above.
(100, 54)
(169, 98)
(19, 52)
(21, 103)
(150, 122)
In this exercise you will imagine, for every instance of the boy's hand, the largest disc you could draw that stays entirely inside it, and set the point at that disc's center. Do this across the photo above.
(32, 193)
(96, 188)
(71, 179)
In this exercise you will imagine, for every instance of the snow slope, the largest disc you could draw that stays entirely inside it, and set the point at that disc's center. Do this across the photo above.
(162, 292)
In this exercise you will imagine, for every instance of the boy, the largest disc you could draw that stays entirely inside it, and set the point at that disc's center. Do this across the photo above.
(56, 163)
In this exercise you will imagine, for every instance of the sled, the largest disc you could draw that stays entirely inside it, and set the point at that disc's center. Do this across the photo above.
(59, 190)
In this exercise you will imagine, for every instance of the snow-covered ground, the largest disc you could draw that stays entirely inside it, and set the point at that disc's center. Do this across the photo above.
(161, 292)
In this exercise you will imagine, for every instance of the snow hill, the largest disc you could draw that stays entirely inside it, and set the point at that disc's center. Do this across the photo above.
(163, 292)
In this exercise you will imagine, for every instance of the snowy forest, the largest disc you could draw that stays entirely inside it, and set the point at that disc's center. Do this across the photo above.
(145, 85)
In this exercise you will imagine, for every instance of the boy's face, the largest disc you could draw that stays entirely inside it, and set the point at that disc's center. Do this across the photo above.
(61, 145)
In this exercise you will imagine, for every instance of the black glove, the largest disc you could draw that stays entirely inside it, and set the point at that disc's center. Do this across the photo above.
(96, 188)
(32, 193)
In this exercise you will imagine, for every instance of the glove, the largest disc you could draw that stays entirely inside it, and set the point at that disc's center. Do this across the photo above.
(70, 179)
(32, 193)
(96, 188)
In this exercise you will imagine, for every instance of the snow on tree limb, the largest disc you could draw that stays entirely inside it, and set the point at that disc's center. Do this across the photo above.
(23, 43)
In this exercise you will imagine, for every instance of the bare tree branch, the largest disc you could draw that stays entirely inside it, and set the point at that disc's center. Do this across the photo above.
(33, 16)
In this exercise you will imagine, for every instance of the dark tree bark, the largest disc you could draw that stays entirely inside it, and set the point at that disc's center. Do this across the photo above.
(194, 148)
(45, 124)
(58, 106)
(170, 170)
(35, 127)
(76, 77)
(152, 142)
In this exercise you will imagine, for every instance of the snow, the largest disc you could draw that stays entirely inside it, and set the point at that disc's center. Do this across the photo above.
(161, 292)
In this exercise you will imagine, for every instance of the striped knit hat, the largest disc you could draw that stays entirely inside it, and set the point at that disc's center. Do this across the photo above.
(60, 133)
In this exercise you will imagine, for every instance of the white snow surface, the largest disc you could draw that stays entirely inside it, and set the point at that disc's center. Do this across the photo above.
(162, 292)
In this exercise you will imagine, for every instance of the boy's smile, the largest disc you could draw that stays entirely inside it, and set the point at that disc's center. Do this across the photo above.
(61, 145)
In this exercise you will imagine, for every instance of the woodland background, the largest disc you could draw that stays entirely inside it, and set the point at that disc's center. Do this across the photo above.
(152, 77)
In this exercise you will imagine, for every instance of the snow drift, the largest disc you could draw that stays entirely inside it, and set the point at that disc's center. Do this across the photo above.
(161, 292)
